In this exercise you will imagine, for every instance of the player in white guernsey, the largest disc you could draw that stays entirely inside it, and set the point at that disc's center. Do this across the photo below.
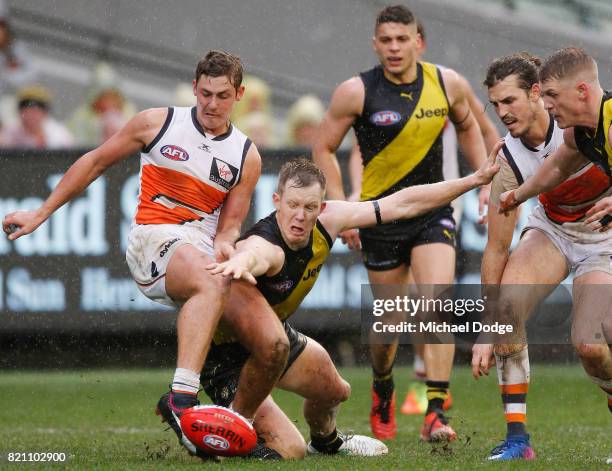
(197, 177)
(555, 241)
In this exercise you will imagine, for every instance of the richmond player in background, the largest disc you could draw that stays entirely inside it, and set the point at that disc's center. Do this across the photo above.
(398, 110)
(415, 401)
(197, 176)
(555, 241)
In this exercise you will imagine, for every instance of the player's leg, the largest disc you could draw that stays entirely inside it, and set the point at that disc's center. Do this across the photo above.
(382, 355)
(277, 433)
(592, 322)
(201, 296)
(415, 401)
(256, 326)
(313, 376)
(433, 267)
(532, 272)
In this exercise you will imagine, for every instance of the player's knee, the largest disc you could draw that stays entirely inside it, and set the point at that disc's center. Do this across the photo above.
(592, 352)
(507, 349)
(274, 352)
(295, 450)
(217, 284)
(341, 391)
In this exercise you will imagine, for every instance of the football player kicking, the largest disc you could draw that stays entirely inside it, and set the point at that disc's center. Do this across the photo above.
(283, 255)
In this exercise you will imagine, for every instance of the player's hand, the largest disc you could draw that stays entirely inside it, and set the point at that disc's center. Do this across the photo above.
(351, 238)
(482, 359)
(489, 167)
(600, 215)
(483, 204)
(223, 250)
(508, 202)
(20, 223)
(236, 267)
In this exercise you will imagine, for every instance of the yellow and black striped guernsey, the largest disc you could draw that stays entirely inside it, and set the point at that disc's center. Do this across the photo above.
(286, 290)
(596, 145)
(400, 131)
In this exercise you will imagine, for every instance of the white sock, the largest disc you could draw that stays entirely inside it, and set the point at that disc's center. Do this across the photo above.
(186, 381)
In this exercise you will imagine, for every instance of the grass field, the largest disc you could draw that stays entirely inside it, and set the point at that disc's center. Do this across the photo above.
(104, 420)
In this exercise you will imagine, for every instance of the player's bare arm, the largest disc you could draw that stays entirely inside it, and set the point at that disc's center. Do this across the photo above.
(407, 203)
(494, 260)
(468, 131)
(500, 231)
(565, 161)
(254, 256)
(135, 135)
(236, 206)
(345, 106)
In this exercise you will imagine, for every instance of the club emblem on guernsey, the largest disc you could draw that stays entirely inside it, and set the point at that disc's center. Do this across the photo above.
(385, 118)
(174, 153)
(222, 173)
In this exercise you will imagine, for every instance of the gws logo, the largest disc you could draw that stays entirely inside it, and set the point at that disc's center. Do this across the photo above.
(385, 118)
(174, 153)
(216, 442)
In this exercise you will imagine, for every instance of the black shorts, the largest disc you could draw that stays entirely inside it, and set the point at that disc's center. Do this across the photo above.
(224, 363)
(388, 246)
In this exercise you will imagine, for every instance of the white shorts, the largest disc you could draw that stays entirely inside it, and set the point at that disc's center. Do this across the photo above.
(584, 250)
(150, 248)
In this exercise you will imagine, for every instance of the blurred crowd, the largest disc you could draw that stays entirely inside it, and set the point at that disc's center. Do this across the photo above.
(27, 118)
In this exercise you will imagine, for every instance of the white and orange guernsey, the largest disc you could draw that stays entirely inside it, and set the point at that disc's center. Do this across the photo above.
(185, 176)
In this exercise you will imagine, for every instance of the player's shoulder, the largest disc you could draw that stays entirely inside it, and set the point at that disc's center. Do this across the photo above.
(351, 88)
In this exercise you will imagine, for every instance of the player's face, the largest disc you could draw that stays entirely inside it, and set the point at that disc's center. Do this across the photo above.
(397, 46)
(562, 101)
(215, 99)
(515, 106)
(297, 212)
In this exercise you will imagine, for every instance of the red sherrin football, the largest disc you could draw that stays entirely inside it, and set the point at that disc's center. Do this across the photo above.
(218, 430)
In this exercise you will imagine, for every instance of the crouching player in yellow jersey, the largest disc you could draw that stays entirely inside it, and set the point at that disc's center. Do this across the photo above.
(283, 255)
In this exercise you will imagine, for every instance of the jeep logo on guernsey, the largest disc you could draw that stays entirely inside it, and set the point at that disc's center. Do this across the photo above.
(222, 173)
(174, 153)
(216, 442)
(385, 118)
(423, 113)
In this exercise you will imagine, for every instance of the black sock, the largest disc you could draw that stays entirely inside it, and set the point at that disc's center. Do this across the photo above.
(383, 386)
(328, 444)
(437, 392)
(516, 428)
(183, 400)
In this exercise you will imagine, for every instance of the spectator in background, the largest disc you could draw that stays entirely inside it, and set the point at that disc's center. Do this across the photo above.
(105, 111)
(303, 120)
(16, 68)
(252, 114)
(35, 129)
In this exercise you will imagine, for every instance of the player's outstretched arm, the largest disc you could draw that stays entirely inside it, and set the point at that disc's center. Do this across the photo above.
(236, 206)
(254, 256)
(555, 170)
(407, 203)
(131, 138)
(346, 104)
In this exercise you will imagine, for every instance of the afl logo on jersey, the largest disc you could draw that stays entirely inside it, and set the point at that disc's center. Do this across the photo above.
(174, 153)
(385, 118)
